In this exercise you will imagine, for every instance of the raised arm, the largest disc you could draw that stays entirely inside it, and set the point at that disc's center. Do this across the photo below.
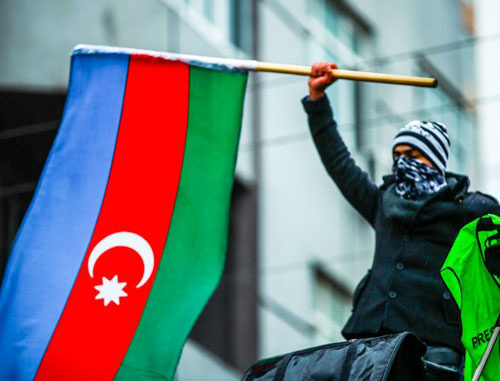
(354, 184)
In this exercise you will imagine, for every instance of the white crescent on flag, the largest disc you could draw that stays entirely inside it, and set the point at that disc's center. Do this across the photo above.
(125, 239)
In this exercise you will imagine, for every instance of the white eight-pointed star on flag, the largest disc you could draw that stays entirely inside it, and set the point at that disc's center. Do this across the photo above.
(111, 290)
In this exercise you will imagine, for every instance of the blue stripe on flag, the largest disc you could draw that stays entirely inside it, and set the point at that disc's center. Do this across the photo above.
(51, 243)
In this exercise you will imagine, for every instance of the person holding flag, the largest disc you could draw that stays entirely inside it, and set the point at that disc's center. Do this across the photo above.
(416, 213)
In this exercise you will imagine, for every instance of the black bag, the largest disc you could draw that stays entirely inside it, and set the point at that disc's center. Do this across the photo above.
(384, 358)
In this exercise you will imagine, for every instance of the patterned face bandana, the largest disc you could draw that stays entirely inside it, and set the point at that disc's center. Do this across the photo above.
(415, 179)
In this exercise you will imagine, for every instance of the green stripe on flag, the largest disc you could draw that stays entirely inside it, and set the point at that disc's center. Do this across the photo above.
(194, 254)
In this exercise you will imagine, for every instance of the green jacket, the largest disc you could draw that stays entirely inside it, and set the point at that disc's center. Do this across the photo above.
(477, 293)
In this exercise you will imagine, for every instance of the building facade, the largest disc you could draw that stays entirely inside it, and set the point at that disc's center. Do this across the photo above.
(488, 99)
(297, 249)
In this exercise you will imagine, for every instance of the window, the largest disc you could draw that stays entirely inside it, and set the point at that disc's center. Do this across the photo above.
(343, 23)
(28, 125)
(233, 18)
(240, 29)
(227, 327)
(447, 104)
(332, 305)
(341, 34)
(205, 7)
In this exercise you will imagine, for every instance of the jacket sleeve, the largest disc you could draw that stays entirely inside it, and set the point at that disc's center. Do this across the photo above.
(354, 184)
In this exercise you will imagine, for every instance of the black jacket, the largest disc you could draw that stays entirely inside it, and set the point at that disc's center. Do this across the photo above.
(403, 290)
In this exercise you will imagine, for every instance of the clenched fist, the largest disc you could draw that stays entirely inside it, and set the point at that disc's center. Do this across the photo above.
(321, 78)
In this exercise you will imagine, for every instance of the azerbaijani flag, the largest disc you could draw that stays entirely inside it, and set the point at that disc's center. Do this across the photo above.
(125, 238)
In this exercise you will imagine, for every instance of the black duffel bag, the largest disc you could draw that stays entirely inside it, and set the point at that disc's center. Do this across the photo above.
(384, 358)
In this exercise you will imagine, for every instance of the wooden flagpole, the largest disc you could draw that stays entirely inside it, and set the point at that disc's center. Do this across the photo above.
(350, 74)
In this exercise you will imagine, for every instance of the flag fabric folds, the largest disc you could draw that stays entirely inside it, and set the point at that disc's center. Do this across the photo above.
(125, 238)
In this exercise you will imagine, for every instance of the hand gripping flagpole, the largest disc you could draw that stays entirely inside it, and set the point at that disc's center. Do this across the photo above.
(487, 352)
(252, 65)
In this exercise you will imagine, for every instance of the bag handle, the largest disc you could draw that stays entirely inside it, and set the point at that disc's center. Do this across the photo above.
(280, 373)
(349, 359)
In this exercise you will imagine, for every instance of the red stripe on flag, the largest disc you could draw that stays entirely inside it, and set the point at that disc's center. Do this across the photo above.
(94, 331)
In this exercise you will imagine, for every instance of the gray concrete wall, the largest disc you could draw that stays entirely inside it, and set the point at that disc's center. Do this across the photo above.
(36, 37)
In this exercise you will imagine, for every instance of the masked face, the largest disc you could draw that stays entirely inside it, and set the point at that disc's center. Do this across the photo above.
(414, 179)
(408, 151)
